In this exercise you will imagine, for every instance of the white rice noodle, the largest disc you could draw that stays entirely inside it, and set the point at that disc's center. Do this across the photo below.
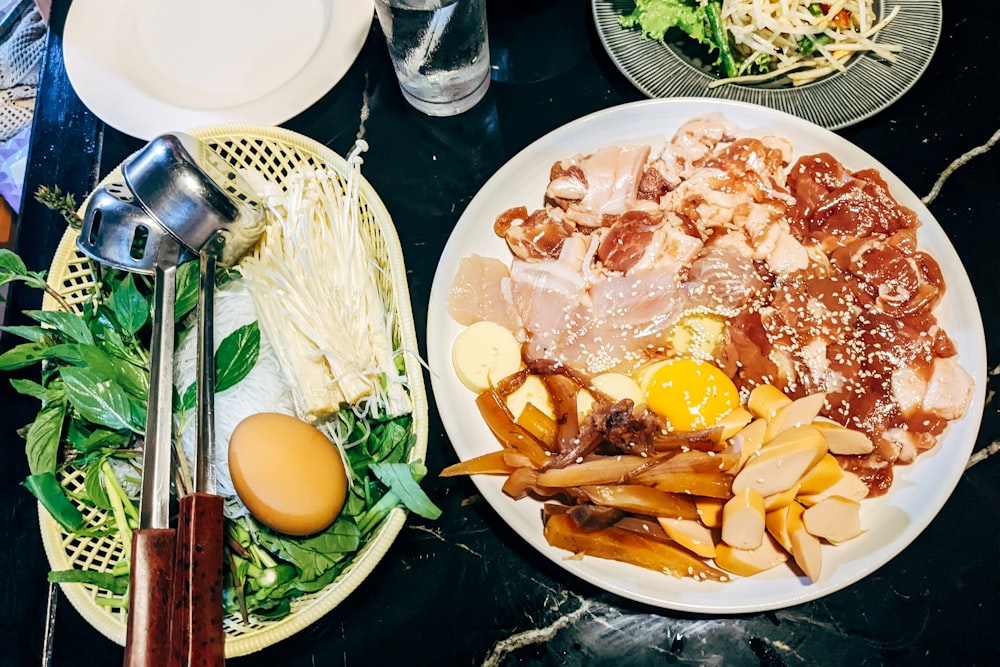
(264, 389)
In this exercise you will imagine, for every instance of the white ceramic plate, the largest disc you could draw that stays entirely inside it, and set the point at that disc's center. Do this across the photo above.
(865, 88)
(891, 521)
(146, 68)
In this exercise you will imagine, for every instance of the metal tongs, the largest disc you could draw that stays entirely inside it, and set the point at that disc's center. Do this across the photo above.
(178, 199)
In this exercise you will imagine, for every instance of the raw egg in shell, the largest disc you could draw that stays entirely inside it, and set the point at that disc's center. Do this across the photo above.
(690, 394)
(288, 474)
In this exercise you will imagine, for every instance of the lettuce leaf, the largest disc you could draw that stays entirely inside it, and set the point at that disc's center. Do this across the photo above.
(655, 17)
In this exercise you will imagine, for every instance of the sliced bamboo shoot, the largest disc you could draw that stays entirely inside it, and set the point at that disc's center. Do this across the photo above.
(493, 463)
(743, 520)
(782, 462)
(641, 500)
(714, 484)
(628, 547)
(600, 470)
(836, 519)
(536, 422)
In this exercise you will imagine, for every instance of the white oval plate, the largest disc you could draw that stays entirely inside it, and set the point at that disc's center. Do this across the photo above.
(866, 87)
(146, 68)
(891, 521)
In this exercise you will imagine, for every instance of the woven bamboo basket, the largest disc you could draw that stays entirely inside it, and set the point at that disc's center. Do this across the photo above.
(275, 153)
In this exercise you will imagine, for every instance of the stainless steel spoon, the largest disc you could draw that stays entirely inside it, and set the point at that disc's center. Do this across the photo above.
(204, 203)
(117, 232)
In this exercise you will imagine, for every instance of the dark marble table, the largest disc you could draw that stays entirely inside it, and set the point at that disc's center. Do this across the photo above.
(465, 589)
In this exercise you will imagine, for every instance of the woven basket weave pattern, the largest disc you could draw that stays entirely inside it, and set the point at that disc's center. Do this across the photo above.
(275, 154)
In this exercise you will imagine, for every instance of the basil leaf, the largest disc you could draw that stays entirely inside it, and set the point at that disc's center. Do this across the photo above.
(129, 305)
(34, 334)
(10, 262)
(42, 447)
(316, 554)
(94, 486)
(87, 438)
(23, 355)
(107, 331)
(235, 358)
(187, 281)
(134, 379)
(33, 389)
(102, 401)
(70, 325)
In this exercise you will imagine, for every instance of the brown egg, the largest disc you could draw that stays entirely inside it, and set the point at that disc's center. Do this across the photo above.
(287, 473)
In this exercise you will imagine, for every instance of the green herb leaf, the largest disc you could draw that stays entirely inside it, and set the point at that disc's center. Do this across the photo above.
(11, 263)
(34, 334)
(69, 324)
(87, 438)
(108, 332)
(33, 389)
(234, 359)
(43, 437)
(23, 355)
(316, 554)
(129, 305)
(133, 378)
(187, 289)
(237, 355)
(93, 483)
(403, 480)
(102, 401)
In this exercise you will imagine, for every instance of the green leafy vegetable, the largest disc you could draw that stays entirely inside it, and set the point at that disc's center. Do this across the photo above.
(102, 401)
(12, 269)
(656, 17)
(93, 390)
(117, 584)
(234, 359)
(43, 436)
(403, 481)
(702, 21)
(49, 492)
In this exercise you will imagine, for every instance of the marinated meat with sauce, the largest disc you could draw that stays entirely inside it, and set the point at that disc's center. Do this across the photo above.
(816, 268)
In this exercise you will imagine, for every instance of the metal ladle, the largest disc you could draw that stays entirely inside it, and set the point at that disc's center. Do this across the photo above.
(204, 203)
(117, 232)
(189, 198)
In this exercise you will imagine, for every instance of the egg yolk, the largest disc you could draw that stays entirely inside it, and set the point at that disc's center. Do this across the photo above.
(287, 473)
(690, 394)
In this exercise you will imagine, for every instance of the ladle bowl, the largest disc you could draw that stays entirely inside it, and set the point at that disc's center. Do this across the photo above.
(198, 197)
